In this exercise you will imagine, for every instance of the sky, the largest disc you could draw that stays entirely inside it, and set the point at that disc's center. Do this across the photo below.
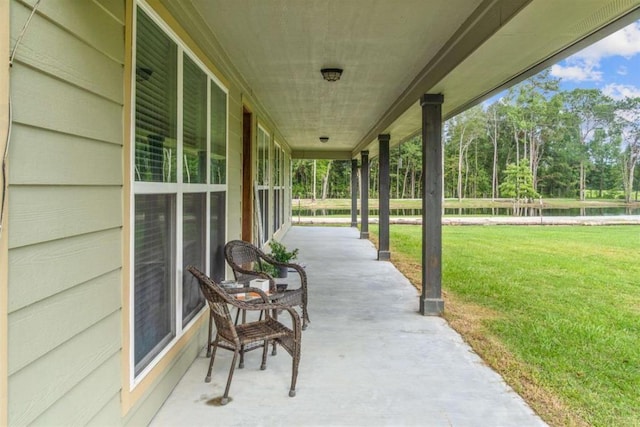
(611, 65)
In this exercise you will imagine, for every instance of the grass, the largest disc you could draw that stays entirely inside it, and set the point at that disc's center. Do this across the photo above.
(556, 310)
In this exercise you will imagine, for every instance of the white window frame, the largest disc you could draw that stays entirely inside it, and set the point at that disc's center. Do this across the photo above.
(177, 188)
(279, 184)
(266, 234)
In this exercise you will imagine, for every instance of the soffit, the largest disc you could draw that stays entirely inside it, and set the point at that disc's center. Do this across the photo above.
(391, 53)
(280, 46)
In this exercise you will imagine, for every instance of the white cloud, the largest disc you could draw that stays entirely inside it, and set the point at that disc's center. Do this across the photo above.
(578, 73)
(585, 65)
(618, 91)
(625, 42)
(622, 70)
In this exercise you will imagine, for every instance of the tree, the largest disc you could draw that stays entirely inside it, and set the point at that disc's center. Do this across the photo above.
(302, 178)
(325, 181)
(493, 130)
(467, 128)
(518, 184)
(628, 123)
(532, 111)
(591, 110)
(411, 159)
(604, 152)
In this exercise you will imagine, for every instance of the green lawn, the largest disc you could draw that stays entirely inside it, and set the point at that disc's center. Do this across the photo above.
(567, 301)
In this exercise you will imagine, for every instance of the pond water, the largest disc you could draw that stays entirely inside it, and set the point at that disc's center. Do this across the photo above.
(610, 211)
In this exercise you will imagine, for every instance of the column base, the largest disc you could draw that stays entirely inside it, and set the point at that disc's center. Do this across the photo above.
(364, 234)
(354, 224)
(384, 255)
(431, 306)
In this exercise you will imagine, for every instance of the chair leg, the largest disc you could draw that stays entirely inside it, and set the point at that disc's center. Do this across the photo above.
(241, 364)
(305, 318)
(207, 379)
(294, 370)
(275, 317)
(209, 345)
(264, 355)
(237, 317)
(225, 396)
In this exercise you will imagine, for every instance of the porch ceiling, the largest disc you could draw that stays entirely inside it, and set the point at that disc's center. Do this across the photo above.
(391, 52)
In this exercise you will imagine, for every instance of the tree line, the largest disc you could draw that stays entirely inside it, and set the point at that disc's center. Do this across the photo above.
(535, 141)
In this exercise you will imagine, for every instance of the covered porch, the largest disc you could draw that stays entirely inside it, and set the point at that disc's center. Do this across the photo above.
(367, 358)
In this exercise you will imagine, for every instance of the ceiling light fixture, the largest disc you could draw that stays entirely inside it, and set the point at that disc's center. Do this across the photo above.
(324, 139)
(331, 74)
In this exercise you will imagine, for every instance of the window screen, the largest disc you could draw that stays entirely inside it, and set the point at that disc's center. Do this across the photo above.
(218, 235)
(156, 104)
(194, 126)
(153, 271)
(193, 251)
(218, 135)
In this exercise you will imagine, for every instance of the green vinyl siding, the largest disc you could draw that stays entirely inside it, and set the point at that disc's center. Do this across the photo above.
(43, 270)
(43, 213)
(81, 403)
(55, 320)
(42, 101)
(109, 414)
(65, 212)
(234, 165)
(42, 383)
(88, 21)
(89, 68)
(48, 156)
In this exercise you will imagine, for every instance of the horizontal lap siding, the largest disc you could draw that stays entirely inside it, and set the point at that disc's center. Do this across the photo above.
(40, 271)
(88, 397)
(65, 213)
(41, 100)
(234, 153)
(52, 321)
(41, 214)
(46, 381)
(109, 414)
(46, 156)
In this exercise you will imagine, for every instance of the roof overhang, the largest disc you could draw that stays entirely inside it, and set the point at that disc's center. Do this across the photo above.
(392, 52)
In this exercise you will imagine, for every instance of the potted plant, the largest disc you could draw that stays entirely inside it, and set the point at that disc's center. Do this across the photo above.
(280, 253)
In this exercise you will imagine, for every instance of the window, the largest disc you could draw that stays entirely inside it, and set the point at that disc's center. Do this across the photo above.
(179, 188)
(154, 249)
(263, 184)
(278, 187)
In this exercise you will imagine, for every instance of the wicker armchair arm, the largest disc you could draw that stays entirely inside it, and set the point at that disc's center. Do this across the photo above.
(295, 320)
(297, 267)
(273, 261)
(258, 274)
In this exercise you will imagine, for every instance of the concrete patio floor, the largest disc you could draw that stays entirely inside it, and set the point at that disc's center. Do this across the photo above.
(368, 358)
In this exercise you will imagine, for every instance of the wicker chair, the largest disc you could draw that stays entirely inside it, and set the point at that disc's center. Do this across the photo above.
(248, 263)
(251, 335)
